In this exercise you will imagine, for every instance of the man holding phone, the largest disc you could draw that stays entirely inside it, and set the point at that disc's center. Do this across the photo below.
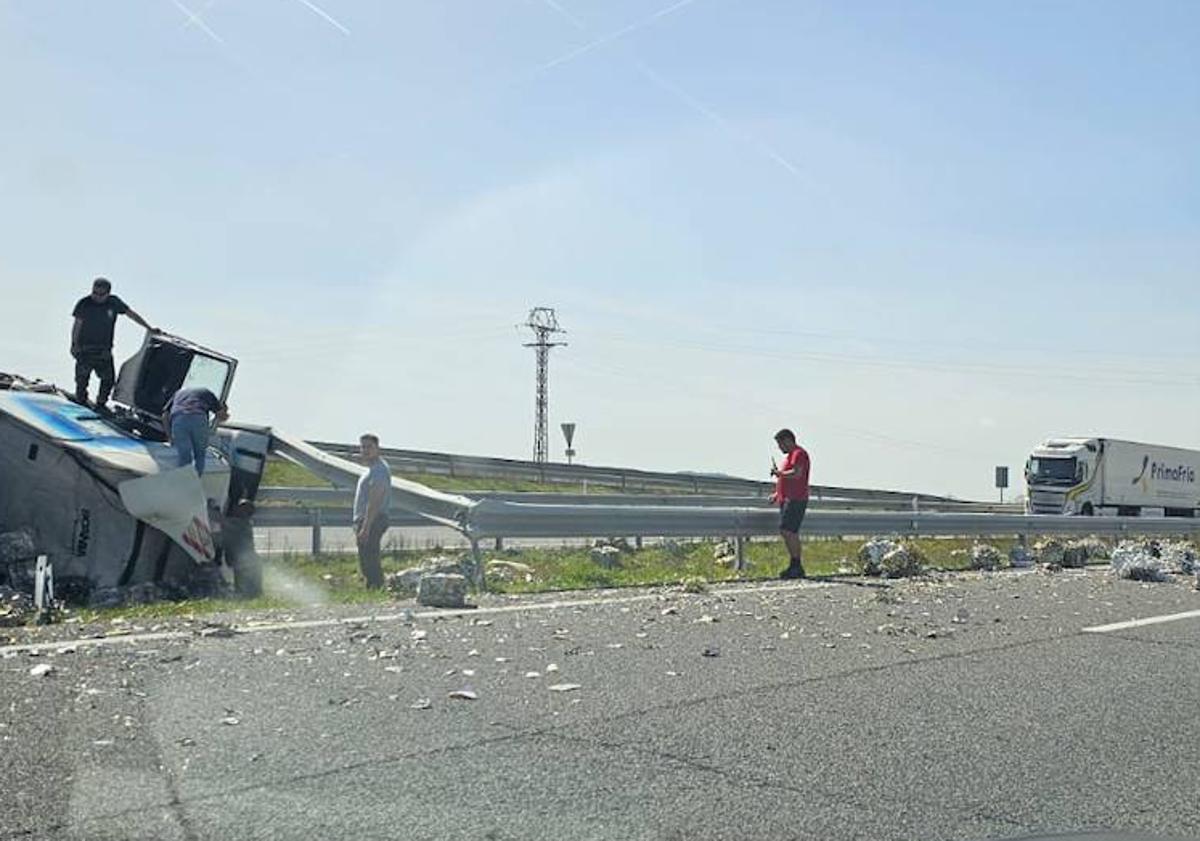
(791, 495)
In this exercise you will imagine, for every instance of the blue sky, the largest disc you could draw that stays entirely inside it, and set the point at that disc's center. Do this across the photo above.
(928, 235)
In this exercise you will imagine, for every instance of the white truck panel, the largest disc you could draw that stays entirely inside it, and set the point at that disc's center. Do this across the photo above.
(1146, 475)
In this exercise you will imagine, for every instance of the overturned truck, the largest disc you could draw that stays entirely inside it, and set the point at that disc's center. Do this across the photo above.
(99, 491)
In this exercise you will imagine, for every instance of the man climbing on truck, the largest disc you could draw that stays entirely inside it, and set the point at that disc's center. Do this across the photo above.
(185, 421)
(92, 339)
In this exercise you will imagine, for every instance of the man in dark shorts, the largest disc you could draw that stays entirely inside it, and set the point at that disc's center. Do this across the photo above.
(92, 339)
(791, 495)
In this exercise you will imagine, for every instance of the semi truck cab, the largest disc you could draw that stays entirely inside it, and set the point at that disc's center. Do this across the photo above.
(1060, 474)
(1095, 475)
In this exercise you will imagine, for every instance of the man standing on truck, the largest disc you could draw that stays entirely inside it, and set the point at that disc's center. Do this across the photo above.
(185, 420)
(372, 498)
(92, 339)
(791, 495)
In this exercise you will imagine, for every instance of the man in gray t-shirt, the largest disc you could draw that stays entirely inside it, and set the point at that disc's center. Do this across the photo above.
(372, 499)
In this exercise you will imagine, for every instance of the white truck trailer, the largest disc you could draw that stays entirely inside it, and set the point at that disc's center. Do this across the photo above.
(1093, 476)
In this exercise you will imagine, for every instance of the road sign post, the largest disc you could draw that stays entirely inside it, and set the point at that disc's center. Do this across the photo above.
(568, 430)
(1002, 480)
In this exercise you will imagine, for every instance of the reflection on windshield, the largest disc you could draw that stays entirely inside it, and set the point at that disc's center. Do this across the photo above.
(1052, 469)
(206, 372)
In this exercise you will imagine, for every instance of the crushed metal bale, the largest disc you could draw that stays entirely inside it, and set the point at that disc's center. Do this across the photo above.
(442, 589)
(890, 559)
(1138, 561)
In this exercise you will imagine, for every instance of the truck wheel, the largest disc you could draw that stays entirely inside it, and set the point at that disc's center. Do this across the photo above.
(1087, 510)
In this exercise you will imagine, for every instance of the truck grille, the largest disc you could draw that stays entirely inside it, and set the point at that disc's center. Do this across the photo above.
(1042, 502)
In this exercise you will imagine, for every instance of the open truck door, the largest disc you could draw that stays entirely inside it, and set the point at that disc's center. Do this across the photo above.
(162, 366)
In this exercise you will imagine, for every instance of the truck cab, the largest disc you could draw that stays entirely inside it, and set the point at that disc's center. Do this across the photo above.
(162, 366)
(1060, 475)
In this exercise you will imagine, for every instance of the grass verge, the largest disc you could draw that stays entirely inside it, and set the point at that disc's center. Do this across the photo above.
(292, 580)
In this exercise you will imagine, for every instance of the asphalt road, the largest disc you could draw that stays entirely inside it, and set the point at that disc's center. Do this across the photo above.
(960, 708)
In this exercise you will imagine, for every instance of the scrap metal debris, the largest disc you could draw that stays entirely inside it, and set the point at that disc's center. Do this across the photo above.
(1138, 561)
(1049, 552)
(406, 581)
(607, 556)
(987, 557)
(890, 559)
(506, 571)
(442, 589)
(1020, 556)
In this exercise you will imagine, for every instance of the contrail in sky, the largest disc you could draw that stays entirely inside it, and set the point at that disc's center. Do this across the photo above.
(670, 87)
(195, 19)
(605, 39)
(319, 11)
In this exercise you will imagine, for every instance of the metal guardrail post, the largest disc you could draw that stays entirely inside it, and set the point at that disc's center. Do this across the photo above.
(315, 519)
(739, 551)
(637, 542)
(478, 578)
(499, 544)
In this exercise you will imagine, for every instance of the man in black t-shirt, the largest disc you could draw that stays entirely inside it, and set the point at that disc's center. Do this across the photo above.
(92, 339)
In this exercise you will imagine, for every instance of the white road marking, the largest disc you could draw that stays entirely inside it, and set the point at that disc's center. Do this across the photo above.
(305, 624)
(1138, 623)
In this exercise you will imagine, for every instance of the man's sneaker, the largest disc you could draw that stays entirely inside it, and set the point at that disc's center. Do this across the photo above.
(794, 570)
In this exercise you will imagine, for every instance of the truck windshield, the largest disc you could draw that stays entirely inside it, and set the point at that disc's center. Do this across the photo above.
(207, 372)
(1052, 469)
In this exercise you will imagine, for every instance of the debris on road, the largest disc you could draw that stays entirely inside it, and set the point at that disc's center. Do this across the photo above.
(870, 556)
(1020, 557)
(442, 589)
(463, 695)
(711, 651)
(1180, 556)
(506, 571)
(565, 687)
(725, 554)
(606, 556)
(1049, 552)
(218, 631)
(987, 557)
(406, 581)
(1136, 561)
(421, 704)
(16, 607)
(1077, 553)
(890, 559)
(41, 670)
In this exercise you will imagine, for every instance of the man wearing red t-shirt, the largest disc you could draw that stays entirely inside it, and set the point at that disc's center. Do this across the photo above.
(791, 495)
